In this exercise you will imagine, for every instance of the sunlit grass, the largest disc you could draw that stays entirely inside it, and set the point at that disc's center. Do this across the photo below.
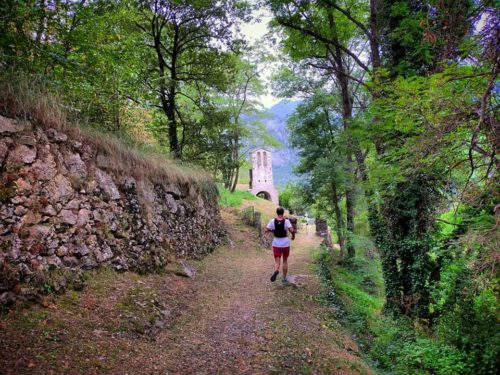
(235, 199)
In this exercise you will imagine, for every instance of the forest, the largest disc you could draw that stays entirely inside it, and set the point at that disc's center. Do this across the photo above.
(398, 133)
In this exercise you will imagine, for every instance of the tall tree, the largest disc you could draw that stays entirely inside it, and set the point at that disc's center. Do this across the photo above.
(316, 130)
(323, 40)
(190, 41)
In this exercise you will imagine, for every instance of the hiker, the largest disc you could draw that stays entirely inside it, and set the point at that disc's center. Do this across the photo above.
(281, 244)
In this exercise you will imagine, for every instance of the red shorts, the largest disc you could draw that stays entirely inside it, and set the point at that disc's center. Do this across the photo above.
(279, 251)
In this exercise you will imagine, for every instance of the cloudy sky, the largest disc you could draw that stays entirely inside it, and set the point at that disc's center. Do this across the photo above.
(253, 32)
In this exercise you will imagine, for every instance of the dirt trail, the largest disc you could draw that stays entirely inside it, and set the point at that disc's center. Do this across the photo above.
(229, 319)
(244, 324)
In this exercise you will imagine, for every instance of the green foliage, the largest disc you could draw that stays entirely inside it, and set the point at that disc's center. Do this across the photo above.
(394, 345)
(404, 237)
(100, 58)
(426, 355)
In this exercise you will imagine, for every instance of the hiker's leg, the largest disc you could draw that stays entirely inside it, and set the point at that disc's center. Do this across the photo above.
(277, 252)
(286, 252)
(277, 263)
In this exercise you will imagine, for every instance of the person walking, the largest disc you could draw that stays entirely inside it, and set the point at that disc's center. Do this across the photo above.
(281, 244)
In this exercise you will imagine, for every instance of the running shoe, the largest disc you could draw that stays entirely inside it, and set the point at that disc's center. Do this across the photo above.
(274, 275)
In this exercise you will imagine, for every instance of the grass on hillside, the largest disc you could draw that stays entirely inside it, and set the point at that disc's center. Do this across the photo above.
(125, 157)
(235, 199)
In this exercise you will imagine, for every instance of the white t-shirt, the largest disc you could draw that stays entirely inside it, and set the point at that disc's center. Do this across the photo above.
(280, 242)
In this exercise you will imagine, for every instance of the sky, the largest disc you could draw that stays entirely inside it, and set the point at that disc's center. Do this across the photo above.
(254, 31)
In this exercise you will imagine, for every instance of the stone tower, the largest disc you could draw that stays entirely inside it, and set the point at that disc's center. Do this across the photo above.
(261, 175)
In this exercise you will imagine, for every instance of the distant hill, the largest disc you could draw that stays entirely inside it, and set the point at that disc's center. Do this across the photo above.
(284, 159)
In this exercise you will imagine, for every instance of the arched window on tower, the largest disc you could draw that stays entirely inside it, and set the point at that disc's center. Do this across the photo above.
(264, 156)
(259, 160)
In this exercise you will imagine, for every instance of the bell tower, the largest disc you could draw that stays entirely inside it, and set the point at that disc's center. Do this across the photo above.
(261, 175)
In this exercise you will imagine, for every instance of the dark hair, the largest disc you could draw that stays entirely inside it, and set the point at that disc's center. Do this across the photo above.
(280, 210)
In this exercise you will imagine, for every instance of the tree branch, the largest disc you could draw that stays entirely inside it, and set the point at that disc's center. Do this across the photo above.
(284, 22)
(349, 16)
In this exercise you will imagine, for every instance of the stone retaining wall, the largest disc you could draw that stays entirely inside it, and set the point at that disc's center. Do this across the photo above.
(63, 211)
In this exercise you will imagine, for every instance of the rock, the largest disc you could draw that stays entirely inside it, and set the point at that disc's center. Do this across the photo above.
(76, 166)
(92, 186)
(60, 189)
(23, 270)
(22, 155)
(54, 262)
(20, 210)
(182, 269)
(7, 298)
(81, 250)
(171, 203)
(76, 145)
(92, 242)
(103, 254)
(45, 167)
(4, 229)
(158, 324)
(31, 218)
(120, 264)
(83, 217)
(4, 150)
(9, 126)
(52, 245)
(129, 183)
(27, 140)
(173, 190)
(23, 186)
(107, 185)
(89, 264)
(49, 211)
(40, 231)
(62, 251)
(56, 136)
(68, 217)
(18, 200)
(147, 191)
(70, 261)
(74, 204)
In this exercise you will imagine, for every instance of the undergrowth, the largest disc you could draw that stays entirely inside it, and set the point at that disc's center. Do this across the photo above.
(394, 346)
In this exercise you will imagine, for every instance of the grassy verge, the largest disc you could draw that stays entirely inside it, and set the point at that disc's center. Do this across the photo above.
(394, 346)
(228, 199)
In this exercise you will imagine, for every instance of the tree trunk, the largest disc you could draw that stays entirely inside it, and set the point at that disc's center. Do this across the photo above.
(167, 90)
(236, 176)
(350, 201)
(391, 282)
(374, 39)
(338, 219)
(343, 82)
